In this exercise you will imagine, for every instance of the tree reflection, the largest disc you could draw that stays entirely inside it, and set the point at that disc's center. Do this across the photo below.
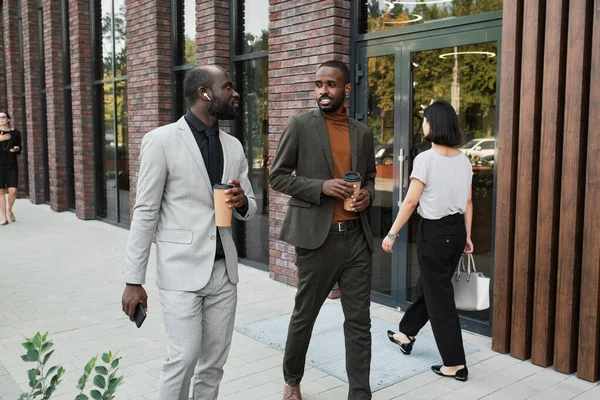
(384, 15)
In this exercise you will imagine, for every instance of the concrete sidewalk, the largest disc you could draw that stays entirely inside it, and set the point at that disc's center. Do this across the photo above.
(63, 275)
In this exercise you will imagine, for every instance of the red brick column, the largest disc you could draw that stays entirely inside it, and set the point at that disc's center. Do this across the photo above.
(302, 35)
(212, 36)
(55, 105)
(13, 79)
(81, 92)
(148, 75)
(33, 104)
(3, 56)
(212, 32)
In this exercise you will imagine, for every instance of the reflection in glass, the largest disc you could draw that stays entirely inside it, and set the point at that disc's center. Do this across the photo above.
(107, 44)
(465, 76)
(180, 105)
(253, 26)
(252, 82)
(107, 177)
(379, 15)
(380, 118)
(189, 32)
(123, 152)
(120, 27)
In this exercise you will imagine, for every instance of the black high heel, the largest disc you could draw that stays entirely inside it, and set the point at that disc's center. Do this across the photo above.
(406, 348)
(460, 375)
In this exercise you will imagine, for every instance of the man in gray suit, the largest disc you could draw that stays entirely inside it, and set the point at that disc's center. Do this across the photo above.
(196, 261)
(332, 244)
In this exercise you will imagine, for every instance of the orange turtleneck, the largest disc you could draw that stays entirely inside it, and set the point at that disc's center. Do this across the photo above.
(339, 141)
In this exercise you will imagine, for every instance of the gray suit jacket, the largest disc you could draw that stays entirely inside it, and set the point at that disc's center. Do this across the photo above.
(302, 162)
(175, 205)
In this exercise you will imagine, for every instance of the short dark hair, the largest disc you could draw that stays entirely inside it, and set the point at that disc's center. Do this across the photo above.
(203, 75)
(7, 114)
(338, 65)
(443, 124)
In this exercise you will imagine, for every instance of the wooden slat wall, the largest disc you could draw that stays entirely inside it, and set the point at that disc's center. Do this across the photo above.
(571, 197)
(547, 239)
(527, 177)
(508, 127)
(588, 366)
(546, 252)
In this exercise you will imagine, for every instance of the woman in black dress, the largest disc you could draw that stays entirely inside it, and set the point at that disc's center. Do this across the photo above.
(10, 147)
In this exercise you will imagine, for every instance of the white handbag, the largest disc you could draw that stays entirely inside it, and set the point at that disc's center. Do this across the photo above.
(471, 288)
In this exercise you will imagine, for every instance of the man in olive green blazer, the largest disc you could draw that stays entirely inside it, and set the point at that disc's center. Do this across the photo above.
(332, 244)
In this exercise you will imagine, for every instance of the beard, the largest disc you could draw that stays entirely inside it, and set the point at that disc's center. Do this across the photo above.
(222, 110)
(332, 107)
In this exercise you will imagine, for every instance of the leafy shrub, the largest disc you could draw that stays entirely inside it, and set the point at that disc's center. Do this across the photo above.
(43, 383)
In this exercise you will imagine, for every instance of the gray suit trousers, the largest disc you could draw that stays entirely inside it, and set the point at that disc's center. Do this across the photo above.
(199, 327)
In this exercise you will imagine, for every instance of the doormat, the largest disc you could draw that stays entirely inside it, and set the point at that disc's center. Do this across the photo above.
(326, 351)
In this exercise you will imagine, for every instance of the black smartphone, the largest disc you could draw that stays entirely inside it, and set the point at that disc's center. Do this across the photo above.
(140, 315)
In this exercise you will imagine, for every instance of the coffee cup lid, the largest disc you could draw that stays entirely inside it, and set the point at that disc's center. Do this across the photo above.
(223, 186)
(351, 177)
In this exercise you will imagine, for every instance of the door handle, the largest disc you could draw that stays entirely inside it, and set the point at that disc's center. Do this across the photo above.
(401, 160)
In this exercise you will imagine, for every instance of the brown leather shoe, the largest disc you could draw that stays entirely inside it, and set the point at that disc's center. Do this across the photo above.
(292, 392)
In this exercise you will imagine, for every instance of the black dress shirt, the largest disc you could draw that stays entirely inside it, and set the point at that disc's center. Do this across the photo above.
(199, 130)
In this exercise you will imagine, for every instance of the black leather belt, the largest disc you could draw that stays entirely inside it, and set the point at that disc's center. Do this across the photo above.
(345, 225)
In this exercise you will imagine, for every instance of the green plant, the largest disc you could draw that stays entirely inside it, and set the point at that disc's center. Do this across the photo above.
(41, 383)
(44, 383)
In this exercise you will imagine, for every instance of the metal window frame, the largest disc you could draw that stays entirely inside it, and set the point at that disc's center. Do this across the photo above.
(99, 139)
(450, 27)
(237, 130)
(23, 101)
(68, 108)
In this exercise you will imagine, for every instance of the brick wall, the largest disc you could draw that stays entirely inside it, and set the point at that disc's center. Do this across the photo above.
(13, 79)
(81, 84)
(149, 75)
(212, 37)
(212, 32)
(33, 104)
(55, 104)
(302, 35)
(3, 94)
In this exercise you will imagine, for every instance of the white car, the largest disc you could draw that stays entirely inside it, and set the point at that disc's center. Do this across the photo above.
(481, 147)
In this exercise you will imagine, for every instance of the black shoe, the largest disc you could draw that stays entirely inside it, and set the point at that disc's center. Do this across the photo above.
(461, 375)
(406, 348)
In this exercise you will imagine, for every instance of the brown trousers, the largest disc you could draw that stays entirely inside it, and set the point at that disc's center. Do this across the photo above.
(344, 258)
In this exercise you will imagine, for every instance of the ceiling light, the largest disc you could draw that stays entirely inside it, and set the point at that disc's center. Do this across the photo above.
(416, 17)
(390, 4)
(489, 54)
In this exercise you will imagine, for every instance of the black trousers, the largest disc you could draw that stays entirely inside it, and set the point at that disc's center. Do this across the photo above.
(440, 244)
(344, 258)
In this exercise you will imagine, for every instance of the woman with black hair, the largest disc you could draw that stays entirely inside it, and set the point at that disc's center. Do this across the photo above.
(10, 147)
(441, 186)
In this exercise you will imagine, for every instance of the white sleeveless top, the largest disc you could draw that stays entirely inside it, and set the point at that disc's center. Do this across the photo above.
(447, 182)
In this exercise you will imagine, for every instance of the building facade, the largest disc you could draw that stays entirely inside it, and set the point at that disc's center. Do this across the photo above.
(84, 80)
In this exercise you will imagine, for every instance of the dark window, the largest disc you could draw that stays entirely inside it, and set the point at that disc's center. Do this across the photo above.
(110, 106)
(23, 109)
(252, 26)
(68, 116)
(183, 43)
(44, 119)
(250, 44)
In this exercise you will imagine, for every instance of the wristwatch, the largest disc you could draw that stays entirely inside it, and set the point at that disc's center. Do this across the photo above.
(391, 237)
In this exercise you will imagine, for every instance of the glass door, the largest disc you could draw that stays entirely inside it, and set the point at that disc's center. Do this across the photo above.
(378, 102)
(395, 83)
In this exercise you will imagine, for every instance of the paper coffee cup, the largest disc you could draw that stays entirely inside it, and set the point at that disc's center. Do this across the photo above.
(355, 179)
(222, 211)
